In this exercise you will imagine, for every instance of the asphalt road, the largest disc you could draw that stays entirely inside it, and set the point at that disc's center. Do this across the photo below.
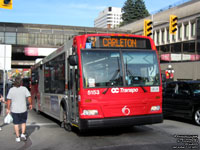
(46, 134)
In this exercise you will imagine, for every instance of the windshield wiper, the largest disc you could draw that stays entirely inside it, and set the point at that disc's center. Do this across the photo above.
(143, 88)
(128, 72)
(113, 77)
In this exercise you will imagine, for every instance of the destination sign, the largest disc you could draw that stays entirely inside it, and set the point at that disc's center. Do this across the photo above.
(117, 42)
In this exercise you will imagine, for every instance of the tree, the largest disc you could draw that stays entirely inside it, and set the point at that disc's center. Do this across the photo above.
(133, 10)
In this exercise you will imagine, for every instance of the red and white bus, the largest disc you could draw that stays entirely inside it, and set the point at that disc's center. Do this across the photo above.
(100, 80)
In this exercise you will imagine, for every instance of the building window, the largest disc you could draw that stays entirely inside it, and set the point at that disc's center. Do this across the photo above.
(164, 49)
(192, 47)
(180, 32)
(22, 38)
(1, 37)
(59, 40)
(10, 37)
(186, 31)
(193, 30)
(167, 35)
(173, 37)
(163, 36)
(189, 47)
(158, 37)
(176, 48)
(198, 46)
(185, 47)
(32, 39)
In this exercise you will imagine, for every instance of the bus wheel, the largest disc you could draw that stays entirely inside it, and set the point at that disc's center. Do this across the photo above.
(197, 116)
(66, 125)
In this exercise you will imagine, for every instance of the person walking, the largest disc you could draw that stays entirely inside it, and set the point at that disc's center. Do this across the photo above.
(17, 106)
(1, 101)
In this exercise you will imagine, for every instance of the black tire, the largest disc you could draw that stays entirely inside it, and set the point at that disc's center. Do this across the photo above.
(66, 125)
(196, 116)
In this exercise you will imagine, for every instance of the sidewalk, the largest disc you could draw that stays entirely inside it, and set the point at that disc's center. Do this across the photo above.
(7, 137)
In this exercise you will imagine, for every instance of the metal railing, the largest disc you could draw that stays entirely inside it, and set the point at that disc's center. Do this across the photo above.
(170, 6)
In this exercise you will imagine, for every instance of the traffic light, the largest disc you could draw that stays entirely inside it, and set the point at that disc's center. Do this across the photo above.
(7, 4)
(173, 24)
(147, 27)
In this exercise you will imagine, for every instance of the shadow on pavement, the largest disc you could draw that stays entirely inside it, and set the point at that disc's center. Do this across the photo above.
(29, 130)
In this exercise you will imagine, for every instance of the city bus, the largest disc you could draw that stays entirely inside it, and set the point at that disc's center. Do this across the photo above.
(100, 81)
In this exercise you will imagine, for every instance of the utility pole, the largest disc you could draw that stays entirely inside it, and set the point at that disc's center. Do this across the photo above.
(4, 80)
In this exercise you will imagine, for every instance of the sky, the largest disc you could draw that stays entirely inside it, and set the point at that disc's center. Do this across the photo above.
(67, 12)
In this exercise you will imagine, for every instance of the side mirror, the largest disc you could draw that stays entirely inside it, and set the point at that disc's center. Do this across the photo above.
(73, 60)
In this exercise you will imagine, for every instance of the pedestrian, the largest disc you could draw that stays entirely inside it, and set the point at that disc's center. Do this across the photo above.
(1, 101)
(17, 106)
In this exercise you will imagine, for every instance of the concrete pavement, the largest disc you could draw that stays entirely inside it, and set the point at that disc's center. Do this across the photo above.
(7, 135)
(44, 133)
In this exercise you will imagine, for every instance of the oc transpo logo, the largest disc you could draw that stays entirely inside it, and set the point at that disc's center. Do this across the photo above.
(126, 111)
(115, 90)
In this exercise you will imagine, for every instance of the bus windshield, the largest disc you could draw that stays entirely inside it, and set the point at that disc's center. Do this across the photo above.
(119, 68)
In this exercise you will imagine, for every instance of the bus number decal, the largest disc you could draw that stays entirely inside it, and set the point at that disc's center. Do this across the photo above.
(93, 92)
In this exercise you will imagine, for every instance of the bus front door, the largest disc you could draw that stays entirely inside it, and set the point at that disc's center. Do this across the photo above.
(73, 94)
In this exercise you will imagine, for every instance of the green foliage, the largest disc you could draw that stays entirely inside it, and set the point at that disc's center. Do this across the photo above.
(133, 10)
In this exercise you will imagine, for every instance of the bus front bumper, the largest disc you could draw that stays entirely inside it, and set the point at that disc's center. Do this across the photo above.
(120, 121)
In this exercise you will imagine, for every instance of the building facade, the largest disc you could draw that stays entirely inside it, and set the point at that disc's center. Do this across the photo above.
(182, 50)
(32, 41)
(110, 17)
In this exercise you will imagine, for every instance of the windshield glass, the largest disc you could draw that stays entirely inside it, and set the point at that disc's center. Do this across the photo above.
(102, 68)
(195, 87)
(106, 68)
(141, 68)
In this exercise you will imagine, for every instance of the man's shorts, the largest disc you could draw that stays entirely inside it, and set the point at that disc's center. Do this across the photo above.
(19, 118)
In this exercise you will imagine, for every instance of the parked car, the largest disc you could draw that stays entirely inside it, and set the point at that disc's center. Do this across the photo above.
(182, 99)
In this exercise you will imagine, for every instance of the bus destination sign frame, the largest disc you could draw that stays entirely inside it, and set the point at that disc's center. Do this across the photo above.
(117, 42)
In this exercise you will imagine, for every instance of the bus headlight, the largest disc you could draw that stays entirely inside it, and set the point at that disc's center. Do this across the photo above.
(90, 112)
(155, 108)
